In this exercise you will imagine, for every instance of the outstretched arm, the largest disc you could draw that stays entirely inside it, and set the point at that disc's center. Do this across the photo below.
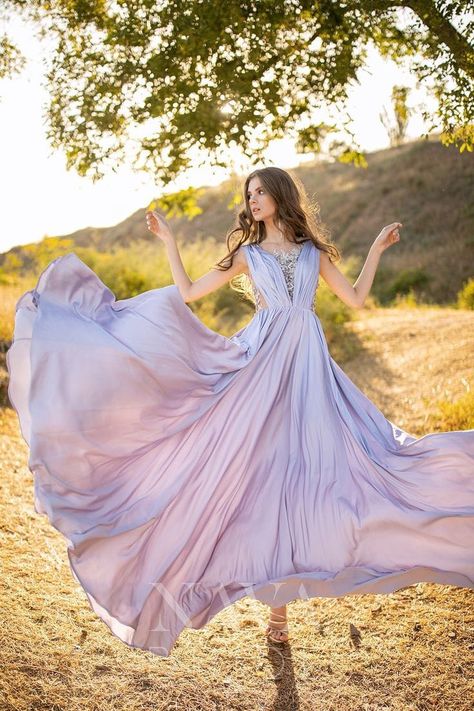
(192, 290)
(356, 294)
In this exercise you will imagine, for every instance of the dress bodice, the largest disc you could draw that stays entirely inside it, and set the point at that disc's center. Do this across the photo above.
(287, 258)
(283, 278)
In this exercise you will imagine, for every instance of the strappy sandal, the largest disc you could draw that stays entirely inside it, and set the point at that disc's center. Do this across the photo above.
(272, 628)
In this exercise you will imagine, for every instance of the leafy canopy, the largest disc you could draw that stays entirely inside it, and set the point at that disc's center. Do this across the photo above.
(175, 83)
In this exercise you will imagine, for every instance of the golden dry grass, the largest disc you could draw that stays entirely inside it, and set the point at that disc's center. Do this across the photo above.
(9, 295)
(411, 650)
(412, 359)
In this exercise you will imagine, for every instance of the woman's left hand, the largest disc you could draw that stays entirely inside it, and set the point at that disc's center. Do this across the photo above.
(388, 235)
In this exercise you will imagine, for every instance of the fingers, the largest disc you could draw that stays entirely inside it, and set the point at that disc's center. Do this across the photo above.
(156, 223)
(393, 228)
(151, 221)
(151, 215)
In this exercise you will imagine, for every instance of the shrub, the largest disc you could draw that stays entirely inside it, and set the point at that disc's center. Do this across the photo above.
(406, 301)
(458, 415)
(408, 281)
(466, 295)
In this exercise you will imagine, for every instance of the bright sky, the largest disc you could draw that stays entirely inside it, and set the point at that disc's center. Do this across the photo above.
(40, 197)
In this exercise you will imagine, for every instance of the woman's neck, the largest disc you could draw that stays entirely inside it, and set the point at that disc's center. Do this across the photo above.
(277, 239)
(274, 234)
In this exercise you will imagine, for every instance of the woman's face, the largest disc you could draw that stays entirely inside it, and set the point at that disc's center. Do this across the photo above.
(261, 204)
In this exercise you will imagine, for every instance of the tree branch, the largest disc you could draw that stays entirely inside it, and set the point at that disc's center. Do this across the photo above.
(439, 25)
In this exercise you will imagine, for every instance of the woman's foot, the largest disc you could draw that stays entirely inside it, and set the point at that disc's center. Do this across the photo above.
(277, 629)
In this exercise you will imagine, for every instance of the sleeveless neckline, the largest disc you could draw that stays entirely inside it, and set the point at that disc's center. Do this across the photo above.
(274, 259)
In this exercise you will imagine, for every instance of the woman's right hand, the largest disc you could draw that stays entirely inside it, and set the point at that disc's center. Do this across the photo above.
(158, 225)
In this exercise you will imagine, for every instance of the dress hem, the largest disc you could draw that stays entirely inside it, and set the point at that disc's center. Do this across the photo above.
(354, 580)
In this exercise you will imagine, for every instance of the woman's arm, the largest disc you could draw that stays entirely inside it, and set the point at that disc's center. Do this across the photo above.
(192, 290)
(209, 282)
(355, 295)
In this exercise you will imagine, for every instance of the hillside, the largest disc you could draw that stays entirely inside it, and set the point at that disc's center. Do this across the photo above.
(427, 187)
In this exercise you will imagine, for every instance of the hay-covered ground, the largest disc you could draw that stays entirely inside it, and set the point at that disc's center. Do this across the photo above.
(410, 650)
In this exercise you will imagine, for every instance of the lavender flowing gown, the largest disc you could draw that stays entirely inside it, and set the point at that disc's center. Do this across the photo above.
(187, 469)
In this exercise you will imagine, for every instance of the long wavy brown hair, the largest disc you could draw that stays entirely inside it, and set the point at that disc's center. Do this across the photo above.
(297, 216)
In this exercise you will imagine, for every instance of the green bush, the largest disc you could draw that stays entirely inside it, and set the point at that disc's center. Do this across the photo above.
(466, 295)
(408, 281)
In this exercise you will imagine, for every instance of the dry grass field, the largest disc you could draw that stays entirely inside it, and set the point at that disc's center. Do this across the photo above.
(411, 650)
(411, 359)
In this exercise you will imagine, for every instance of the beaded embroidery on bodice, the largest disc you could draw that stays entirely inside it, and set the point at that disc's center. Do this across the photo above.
(287, 259)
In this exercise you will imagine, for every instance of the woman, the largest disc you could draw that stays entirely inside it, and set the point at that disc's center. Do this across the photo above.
(188, 470)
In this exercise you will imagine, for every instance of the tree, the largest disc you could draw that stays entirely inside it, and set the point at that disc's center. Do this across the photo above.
(177, 82)
(11, 60)
(397, 127)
